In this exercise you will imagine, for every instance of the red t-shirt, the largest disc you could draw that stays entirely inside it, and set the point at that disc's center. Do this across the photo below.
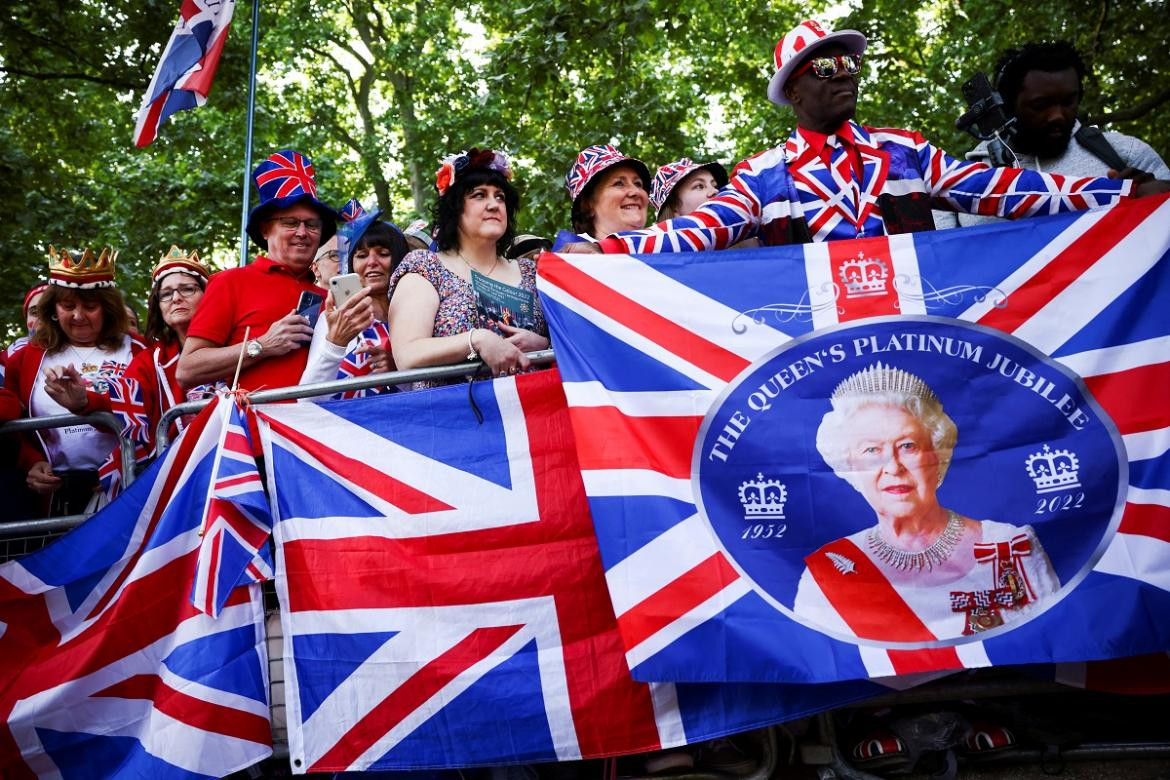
(254, 297)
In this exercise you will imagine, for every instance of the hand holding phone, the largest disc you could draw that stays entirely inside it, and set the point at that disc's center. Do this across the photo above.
(309, 306)
(344, 287)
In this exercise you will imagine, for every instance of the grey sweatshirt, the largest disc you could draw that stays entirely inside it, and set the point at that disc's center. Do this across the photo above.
(1076, 161)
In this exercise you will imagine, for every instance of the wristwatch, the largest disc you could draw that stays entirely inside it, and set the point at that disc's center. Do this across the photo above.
(253, 348)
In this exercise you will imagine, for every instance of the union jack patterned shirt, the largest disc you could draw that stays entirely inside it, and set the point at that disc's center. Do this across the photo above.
(858, 182)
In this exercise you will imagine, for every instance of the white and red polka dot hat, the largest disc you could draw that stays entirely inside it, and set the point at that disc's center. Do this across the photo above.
(795, 45)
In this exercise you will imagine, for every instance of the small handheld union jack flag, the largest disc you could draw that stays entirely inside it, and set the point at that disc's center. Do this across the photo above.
(356, 363)
(236, 519)
(126, 402)
(110, 472)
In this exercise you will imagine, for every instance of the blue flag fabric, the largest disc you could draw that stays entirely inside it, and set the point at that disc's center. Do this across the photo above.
(877, 457)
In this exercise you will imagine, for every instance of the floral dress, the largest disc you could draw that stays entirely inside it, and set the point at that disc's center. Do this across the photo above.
(457, 312)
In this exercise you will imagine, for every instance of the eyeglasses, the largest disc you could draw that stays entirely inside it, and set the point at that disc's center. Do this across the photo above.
(182, 291)
(331, 255)
(292, 223)
(828, 67)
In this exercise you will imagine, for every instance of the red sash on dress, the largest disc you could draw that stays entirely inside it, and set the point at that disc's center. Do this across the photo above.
(873, 609)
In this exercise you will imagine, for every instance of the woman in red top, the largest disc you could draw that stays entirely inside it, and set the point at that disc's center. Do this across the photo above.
(82, 339)
(149, 387)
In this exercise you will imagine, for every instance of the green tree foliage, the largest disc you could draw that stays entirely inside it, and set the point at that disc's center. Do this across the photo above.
(376, 92)
(921, 50)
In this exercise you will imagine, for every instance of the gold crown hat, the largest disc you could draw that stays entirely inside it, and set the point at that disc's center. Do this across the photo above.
(83, 271)
(178, 261)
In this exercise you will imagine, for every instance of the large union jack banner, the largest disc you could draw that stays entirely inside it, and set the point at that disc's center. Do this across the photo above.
(763, 433)
(108, 669)
(443, 599)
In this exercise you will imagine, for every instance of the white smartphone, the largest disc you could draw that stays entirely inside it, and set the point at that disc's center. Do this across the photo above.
(344, 287)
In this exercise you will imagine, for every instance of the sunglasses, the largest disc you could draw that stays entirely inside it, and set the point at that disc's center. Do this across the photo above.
(828, 67)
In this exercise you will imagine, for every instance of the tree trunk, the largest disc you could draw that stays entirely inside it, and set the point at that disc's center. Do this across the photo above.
(404, 98)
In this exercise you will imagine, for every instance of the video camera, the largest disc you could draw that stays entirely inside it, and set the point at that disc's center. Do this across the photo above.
(987, 120)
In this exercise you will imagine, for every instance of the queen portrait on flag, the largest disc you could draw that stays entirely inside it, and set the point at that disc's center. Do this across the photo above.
(922, 572)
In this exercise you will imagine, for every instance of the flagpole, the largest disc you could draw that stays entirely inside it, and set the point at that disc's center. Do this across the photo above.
(248, 140)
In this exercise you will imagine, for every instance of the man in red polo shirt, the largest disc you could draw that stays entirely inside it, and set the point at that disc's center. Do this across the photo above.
(259, 300)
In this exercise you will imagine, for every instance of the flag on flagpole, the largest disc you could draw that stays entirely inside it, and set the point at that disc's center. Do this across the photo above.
(187, 66)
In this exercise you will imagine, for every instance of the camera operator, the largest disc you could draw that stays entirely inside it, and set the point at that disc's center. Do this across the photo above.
(1042, 85)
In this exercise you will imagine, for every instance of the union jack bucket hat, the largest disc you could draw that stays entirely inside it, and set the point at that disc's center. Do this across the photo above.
(285, 179)
(671, 175)
(593, 160)
(795, 47)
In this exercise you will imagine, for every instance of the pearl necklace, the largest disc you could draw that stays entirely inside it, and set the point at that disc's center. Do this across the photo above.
(934, 555)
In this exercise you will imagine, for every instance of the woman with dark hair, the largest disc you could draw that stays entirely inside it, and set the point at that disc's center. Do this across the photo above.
(82, 338)
(609, 192)
(449, 306)
(149, 386)
(353, 340)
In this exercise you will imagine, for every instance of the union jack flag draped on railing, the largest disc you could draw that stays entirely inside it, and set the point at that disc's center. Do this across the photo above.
(187, 66)
(442, 596)
(108, 669)
(700, 389)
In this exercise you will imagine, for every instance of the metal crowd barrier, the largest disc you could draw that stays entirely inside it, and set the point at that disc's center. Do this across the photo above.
(543, 357)
(37, 529)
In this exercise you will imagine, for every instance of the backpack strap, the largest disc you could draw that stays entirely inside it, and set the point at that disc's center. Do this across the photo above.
(1095, 142)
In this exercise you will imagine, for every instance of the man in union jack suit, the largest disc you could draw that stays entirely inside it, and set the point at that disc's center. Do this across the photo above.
(836, 179)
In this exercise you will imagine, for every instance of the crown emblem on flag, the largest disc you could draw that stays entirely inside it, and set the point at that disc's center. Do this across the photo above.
(763, 499)
(1053, 470)
(83, 271)
(864, 276)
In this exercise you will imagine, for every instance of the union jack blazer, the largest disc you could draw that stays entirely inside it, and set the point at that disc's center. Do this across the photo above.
(859, 182)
